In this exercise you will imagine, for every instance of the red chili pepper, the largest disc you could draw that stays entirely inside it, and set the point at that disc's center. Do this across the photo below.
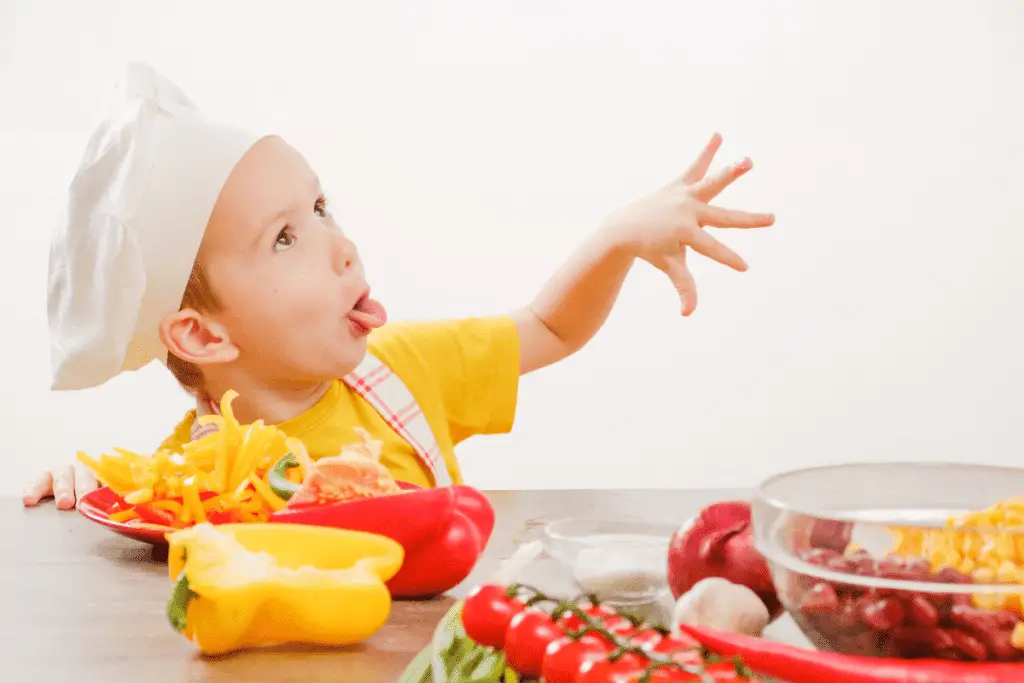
(798, 665)
(154, 515)
(443, 531)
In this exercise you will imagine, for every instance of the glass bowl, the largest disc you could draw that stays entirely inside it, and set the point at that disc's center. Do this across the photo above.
(889, 559)
(620, 561)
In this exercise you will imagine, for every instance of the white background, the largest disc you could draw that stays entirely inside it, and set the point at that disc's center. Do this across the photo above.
(472, 145)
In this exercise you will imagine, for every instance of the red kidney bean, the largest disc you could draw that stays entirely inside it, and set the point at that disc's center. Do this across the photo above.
(861, 562)
(882, 615)
(821, 598)
(848, 614)
(863, 643)
(994, 628)
(983, 619)
(830, 534)
(891, 563)
(969, 646)
(819, 556)
(950, 575)
(941, 601)
(920, 569)
(921, 612)
(921, 641)
(960, 600)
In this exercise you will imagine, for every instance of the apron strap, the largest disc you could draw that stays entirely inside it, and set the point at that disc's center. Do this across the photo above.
(379, 386)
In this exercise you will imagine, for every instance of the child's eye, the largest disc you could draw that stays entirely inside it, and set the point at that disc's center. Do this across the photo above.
(285, 240)
(320, 206)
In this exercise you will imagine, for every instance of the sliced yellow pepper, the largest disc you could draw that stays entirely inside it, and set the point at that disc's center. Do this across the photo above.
(246, 585)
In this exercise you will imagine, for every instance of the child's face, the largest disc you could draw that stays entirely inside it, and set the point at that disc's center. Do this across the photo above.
(291, 287)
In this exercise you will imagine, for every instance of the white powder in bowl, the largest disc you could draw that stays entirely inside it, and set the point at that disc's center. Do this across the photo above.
(623, 568)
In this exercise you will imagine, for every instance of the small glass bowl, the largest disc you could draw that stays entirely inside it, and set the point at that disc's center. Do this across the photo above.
(863, 559)
(622, 562)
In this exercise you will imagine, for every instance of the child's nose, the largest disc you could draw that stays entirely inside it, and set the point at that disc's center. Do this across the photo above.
(344, 253)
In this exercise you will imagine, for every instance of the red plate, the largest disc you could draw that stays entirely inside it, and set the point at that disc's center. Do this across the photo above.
(97, 505)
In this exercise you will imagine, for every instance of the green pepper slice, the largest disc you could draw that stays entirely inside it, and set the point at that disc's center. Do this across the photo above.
(278, 477)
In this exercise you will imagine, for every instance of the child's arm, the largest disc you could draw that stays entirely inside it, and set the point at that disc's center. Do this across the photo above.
(659, 229)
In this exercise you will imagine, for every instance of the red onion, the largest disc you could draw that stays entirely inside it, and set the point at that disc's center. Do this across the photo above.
(719, 542)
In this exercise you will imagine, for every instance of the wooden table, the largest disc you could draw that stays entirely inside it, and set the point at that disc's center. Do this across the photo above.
(83, 604)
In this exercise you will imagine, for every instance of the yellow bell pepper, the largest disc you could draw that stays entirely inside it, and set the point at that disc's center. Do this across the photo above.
(245, 585)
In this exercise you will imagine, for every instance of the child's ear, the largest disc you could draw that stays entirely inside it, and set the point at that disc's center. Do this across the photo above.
(196, 338)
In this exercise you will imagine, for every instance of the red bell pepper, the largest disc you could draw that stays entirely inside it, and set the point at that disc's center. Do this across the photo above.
(443, 532)
(149, 513)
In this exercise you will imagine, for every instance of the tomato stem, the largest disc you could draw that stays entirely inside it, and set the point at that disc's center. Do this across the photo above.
(622, 645)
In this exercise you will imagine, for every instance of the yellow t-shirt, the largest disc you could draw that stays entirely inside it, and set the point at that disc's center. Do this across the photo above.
(463, 373)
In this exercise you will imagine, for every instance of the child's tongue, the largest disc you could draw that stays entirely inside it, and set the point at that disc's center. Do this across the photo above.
(369, 313)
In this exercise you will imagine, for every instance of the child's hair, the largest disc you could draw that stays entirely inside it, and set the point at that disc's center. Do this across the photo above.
(199, 297)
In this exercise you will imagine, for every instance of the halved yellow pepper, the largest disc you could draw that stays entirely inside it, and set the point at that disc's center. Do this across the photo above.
(245, 585)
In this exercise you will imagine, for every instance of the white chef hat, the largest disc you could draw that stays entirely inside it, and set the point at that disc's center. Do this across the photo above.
(136, 214)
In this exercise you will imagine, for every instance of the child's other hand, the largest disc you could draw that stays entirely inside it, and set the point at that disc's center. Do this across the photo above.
(662, 226)
(63, 484)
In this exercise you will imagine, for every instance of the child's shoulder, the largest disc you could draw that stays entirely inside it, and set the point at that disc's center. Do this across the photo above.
(429, 337)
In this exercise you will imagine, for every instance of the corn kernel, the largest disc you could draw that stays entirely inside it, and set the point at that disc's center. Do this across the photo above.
(1005, 549)
(967, 566)
(987, 601)
(1018, 636)
(1014, 517)
(1009, 601)
(984, 575)
(973, 545)
(1008, 572)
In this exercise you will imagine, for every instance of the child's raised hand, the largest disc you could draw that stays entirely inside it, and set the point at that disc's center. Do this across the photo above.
(64, 484)
(662, 226)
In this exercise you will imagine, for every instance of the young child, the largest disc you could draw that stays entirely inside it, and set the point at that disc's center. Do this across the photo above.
(213, 250)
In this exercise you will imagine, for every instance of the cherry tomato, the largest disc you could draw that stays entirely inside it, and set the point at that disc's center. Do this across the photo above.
(724, 671)
(668, 674)
(626, 669)
(529, 634)
(680, 649)
(571, 622)
(681, 641)
(486, 614)
(646, 639)
(565, 656)
(620, 626)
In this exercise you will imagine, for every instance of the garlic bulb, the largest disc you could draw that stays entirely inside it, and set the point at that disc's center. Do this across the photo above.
(722, 605)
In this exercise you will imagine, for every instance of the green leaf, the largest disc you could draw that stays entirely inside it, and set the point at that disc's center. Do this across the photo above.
(420, 669)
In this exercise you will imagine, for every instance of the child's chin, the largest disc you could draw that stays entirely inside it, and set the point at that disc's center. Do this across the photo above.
(352, 355)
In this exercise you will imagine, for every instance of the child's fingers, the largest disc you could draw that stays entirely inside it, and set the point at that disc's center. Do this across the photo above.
(707, 245)
(728, 218)
(676, 269)
(711, 186)
(39, 488)
(700, 166)
(64, 487)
